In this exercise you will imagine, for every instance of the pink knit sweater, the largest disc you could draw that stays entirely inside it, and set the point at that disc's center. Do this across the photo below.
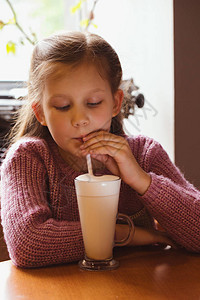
(39, 209)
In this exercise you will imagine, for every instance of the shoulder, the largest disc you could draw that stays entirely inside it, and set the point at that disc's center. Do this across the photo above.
(143, 143)
(146, 149)
(26, 147)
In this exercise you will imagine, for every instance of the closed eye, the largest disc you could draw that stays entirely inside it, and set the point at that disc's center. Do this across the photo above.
(93, 104)
(66, 107)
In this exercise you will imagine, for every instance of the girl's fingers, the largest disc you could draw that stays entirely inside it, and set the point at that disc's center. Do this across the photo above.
(98, 134)
(104, 139)
(108, 162)
(95, 149)
(112, 149)
(102, 136)
(145, 236)
(102, 143)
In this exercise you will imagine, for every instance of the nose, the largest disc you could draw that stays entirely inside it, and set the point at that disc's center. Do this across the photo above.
(80, 118)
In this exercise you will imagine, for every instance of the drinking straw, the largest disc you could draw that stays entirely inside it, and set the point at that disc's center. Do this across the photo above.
(89, 164)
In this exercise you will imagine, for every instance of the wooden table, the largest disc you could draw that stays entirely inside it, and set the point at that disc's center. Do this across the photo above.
(144, 273)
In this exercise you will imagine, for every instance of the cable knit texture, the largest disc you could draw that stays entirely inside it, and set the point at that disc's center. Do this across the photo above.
(39, 209)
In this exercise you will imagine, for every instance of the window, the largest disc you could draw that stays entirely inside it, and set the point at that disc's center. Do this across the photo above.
(40, 17)
(140, 31)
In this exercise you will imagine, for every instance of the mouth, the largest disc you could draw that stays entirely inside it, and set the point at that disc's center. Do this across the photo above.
(80, 139)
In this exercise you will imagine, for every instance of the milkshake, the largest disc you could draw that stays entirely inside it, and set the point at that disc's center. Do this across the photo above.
(98, 205)
(98, 198)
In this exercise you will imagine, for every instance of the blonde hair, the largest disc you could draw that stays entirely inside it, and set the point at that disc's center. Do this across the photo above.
(70, 48)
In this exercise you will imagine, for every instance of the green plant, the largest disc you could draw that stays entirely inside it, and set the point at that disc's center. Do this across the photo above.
(31, 36)
(85, 23)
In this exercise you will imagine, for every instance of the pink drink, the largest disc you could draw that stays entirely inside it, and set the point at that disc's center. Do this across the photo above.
(98, 205)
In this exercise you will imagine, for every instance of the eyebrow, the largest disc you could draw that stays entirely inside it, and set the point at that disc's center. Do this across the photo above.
(95, 90)
(59, 95)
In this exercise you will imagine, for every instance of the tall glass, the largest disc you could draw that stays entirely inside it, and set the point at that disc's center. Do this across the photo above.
(98, 198)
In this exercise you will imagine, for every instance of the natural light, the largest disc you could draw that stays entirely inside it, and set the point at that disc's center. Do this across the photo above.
(145, 49)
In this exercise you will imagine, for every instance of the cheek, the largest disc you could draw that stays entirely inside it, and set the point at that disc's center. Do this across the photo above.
(53, 119)
(103, 119)
(56, 124)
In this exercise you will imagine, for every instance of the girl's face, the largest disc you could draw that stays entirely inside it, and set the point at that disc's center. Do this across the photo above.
(76, 104)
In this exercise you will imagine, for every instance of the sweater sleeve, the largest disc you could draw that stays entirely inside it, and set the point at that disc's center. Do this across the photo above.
(33, 237)
(173, 201)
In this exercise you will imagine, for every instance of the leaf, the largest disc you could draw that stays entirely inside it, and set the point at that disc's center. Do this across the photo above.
(84, 23)
(21, 41)
(11, 47)
(95, 25)
(76, 7)
(34, 35)
(2, 24)
(12, 21)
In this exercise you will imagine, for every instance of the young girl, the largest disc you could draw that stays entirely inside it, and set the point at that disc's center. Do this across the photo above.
(73, 108)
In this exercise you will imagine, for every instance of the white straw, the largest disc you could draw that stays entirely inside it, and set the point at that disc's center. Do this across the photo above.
(89, 164)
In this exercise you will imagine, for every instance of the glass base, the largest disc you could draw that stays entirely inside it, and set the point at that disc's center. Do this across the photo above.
(98, 265)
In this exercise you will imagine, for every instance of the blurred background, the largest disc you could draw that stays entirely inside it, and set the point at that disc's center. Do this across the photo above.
(157, 42)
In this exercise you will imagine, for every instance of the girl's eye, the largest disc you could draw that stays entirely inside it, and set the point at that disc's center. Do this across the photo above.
(93, 104)
(66, 107)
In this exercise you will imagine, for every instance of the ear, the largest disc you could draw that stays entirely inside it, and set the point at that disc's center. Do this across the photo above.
(37, 109)
(118, 98)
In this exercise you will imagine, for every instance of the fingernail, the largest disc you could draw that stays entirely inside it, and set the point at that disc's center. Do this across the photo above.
(84, 151)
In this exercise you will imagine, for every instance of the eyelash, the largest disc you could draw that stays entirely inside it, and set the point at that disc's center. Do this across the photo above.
(94, 104)
(65, 108)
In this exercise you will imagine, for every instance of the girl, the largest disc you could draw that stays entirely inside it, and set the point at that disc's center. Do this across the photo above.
(73, 108)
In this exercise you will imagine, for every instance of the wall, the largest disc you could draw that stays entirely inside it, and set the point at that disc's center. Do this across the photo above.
(141, 31)
(187, 87)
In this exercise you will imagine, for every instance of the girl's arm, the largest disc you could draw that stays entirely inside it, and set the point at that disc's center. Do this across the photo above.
(33, 236)
(173, 201)
(145, 166)
(143, 236)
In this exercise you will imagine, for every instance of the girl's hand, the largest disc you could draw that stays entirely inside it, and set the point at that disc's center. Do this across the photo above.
(143, 236)
(115, 153)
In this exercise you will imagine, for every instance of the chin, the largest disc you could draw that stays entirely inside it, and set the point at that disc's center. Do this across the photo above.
(75, 151)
